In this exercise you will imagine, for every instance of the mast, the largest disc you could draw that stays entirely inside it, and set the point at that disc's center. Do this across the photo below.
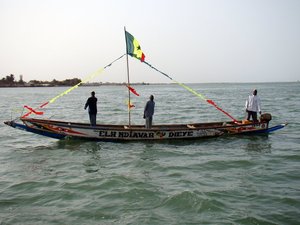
(128, 81)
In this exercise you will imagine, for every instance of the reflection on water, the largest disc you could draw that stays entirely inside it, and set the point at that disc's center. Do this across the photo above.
(257, 143)
(90, 153)
(259, 147)
(76, 145)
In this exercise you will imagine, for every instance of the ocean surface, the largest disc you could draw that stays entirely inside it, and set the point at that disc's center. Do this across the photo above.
(225, 180)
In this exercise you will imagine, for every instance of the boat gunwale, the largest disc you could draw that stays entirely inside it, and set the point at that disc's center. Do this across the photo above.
(159, 127)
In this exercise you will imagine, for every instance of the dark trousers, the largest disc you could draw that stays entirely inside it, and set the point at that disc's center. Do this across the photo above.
(92, 119)
(253, 115)
(148, 123)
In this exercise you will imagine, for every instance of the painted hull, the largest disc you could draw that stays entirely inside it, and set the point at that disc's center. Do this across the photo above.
(103, 132)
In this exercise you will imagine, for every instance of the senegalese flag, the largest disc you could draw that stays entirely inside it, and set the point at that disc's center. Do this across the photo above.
(133, 47)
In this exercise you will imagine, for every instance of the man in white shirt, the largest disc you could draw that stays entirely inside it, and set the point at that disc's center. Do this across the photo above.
(253, 106)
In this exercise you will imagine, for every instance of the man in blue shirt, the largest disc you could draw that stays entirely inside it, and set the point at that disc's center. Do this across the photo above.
(148, 112)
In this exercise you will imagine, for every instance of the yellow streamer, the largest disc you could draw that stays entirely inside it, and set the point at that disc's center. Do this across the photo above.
(129, 104)
(93, 75)
(190, 90)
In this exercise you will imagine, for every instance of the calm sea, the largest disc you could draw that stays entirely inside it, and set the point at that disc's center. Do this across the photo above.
(226, 180)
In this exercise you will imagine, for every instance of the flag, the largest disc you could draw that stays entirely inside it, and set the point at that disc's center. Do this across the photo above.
(132, 90)
(33, 111)
(218, 108)
(133, 47)
(129, 104)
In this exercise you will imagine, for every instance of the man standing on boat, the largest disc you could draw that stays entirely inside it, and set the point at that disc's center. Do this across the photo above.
(148, 112)
(92, 104)
(253, 106)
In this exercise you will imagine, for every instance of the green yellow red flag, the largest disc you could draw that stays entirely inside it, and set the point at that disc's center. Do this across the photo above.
(133, 47)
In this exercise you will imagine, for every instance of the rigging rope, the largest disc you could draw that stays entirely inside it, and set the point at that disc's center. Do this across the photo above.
(98, 72)
(209, 101)
(90, 77)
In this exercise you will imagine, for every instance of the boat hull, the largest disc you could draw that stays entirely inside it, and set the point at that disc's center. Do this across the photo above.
(103, 132)
(60, 130)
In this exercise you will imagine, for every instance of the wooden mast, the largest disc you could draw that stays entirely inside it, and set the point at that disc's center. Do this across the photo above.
(128, 81)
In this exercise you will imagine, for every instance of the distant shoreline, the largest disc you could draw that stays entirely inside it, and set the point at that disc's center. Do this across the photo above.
(82, 85)
(121, 84)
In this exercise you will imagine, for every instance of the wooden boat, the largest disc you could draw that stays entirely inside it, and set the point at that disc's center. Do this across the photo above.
(105, 132)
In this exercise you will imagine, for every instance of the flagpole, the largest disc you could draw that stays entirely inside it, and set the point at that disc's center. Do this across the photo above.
(128, 81)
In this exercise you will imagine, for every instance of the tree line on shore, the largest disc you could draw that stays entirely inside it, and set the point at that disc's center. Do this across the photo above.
(10, 81)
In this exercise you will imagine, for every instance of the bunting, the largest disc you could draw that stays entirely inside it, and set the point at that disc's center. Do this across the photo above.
(132, 90)
(133, 49)
(130, 104)
(33, 111)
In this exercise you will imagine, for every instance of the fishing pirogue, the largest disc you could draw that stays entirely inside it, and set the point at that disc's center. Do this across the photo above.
(102, 132)
(128, 132)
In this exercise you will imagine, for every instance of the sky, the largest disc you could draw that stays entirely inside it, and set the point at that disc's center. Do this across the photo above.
(193, 41)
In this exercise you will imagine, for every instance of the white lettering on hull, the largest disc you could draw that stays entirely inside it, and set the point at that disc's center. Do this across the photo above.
(154, 134)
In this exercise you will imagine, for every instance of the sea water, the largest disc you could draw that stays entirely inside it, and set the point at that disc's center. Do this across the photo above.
(224, 180)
